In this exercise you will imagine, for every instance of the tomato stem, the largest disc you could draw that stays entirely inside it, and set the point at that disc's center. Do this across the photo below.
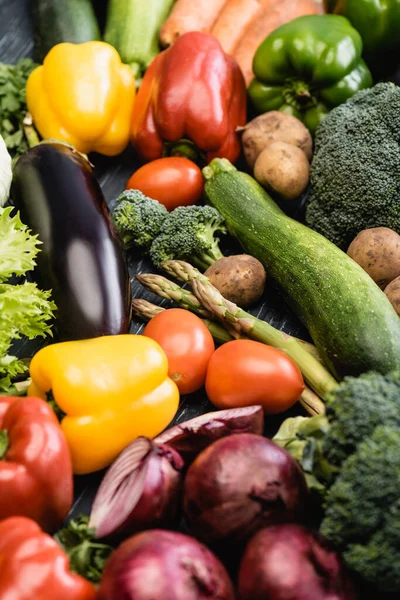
(4, 443)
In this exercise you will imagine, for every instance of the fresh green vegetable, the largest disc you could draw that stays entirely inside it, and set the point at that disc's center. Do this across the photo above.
(189, 233)
(13, 104)
(362, 510)
(87, 556)
(138, 219)
(378, 22)
(355, 173)
(5, 173)
(56, 21)
(24, 309)
(308, 66)
(352, 323)
(133, 26)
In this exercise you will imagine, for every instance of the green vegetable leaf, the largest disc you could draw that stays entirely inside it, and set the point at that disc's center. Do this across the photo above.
(18, 247)
(87, 557)
(13, 108)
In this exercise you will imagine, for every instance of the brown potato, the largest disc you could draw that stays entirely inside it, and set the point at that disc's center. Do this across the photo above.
(272, 127)
(240, 278)
(392, 291)
(377, 251)
(284, 169)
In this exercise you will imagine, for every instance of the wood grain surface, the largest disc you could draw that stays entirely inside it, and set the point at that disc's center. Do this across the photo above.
(16, 42)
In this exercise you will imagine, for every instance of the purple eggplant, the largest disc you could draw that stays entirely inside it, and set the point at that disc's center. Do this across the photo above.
(81, 260)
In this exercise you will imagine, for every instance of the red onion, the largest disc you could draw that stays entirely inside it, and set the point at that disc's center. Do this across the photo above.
(164, 565)
(191, 437)
(140, 490)
(287, 562)
(240, 484)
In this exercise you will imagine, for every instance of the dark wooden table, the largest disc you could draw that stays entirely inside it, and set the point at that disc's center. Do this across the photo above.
(16, 42)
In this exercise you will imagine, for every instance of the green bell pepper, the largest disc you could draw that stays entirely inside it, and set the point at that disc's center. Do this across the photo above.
(378, 22)
(307, 67)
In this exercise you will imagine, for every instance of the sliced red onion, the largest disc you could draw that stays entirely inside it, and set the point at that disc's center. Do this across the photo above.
(288, 562)
(193, 436)
(164, 565)
(240, 484)
(140, 490)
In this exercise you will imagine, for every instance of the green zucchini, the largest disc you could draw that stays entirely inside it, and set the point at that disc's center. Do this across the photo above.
(351, 321)
(56, 21)
(132, 27)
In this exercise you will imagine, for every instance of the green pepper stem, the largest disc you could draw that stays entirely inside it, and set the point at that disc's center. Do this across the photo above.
(4, 443)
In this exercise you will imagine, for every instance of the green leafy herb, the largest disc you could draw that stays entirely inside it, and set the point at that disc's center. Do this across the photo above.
(24, 309)
(13, 109)
(87, 557)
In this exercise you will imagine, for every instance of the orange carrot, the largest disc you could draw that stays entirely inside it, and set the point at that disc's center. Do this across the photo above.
(233, 21)
(273, 15)
(190, 15)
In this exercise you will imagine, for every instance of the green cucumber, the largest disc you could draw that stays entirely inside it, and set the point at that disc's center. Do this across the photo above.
(132, 27)
(351, 321)
(56, 21)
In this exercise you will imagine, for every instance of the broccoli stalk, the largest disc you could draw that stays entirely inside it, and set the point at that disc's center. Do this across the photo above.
(138, 219)
(188, 233)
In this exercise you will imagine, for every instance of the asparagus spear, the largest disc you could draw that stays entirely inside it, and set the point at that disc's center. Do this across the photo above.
(146, 310)
(315, 374)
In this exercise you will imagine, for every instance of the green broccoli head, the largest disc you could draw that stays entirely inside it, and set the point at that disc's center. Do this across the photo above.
(138, 219)
(362, 511)
(356, 408)
(355, 173)
(188, 233)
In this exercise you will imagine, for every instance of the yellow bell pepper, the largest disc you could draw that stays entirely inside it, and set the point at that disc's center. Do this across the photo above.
(83, 95)
(112, 389)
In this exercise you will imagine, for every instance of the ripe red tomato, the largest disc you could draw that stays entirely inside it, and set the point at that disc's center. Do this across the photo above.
(187, 343)
(244, 373)
(173, 181)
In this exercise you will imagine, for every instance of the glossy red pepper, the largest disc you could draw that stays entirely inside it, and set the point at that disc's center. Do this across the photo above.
(33, 565)
(193, 92)
(35, 464)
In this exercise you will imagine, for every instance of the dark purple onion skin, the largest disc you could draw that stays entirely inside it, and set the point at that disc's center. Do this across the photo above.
(164, 565)
(239, 485)
(288, 562)
(193, 436)
(160, 502)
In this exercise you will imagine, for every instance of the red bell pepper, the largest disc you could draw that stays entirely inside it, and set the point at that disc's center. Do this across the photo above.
(32, 565)
(35, 465)
(191, 91)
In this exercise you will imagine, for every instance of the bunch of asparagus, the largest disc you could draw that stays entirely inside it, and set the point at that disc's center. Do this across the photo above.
(207, 302)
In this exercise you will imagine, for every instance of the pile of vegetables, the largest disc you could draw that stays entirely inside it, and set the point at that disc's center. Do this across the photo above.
(289, 488)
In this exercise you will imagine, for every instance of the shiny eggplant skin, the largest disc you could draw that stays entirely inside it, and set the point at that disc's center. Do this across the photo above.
(81, 259)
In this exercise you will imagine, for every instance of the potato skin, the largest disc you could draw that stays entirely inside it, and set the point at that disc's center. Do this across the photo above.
(283, 169)
(273, 127)
(240, 278)
(377, 251)
(392, 291)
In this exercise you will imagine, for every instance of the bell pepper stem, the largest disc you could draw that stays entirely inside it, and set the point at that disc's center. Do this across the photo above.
(30, 131)
(4, 443)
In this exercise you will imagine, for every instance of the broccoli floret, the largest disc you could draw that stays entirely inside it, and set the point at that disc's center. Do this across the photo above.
(188, 233)
(356, 408)
(362, 512)
(355, 173)
(138, 219)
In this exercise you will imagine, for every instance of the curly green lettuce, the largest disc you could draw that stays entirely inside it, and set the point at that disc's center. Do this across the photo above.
(25, 310)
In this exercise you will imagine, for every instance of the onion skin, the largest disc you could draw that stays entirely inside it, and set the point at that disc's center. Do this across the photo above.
(159, 484)
(193, 436)
(288, 562)
(164, 565)
(239, 485)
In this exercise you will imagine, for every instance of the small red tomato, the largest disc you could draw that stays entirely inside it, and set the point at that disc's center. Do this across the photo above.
(173, 181)
(244, 373)
(187, 343)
